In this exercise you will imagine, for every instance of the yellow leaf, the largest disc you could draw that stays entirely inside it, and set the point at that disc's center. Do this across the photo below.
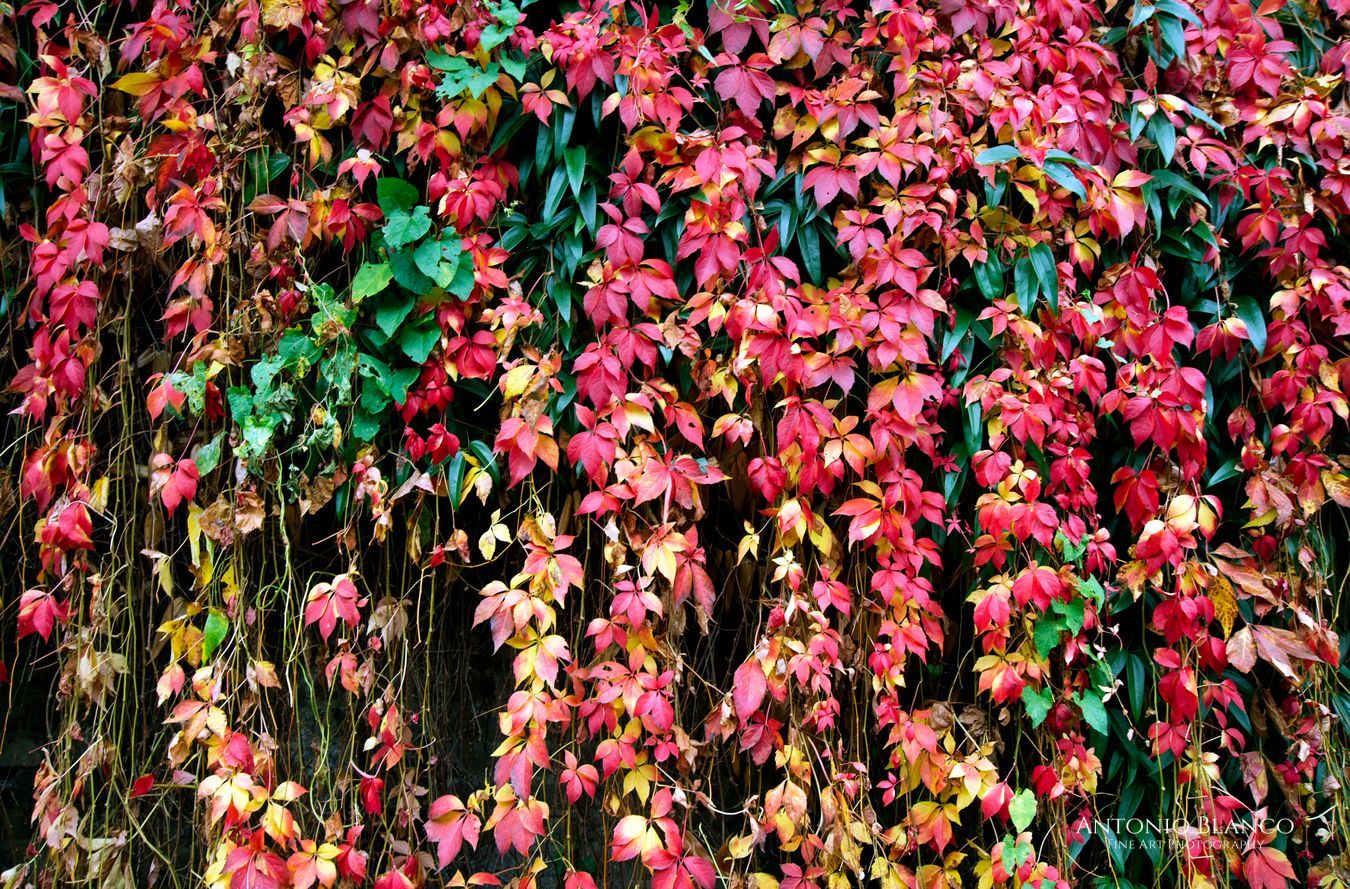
(137, 83)
(739, 847)
(516, 380)
(98, 495)
(1225, 603)
(1338, 486)
(230, 583)
(1263, 519)
(487, 544)
(194, 528)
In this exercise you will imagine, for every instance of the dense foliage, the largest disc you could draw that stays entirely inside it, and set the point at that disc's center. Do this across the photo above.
(891, 444)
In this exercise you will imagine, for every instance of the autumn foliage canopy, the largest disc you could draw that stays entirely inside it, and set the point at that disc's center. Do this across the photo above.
(743, 444)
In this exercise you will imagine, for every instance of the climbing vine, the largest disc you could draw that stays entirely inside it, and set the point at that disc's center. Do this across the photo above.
(748, 443)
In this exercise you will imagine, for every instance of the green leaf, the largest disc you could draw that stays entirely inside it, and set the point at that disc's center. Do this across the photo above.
(240, 399)
(370, 279)
(1251, 315)
(787, 223)
(1179, 10)
(430, 262)
(1138, 678)
(257, 437)
(1094, 710)
(574, 159)
(956, 334)
(1205, 118)
(481, 452)
(462, 284)
(1063, 157)
(1038, 704)
(1137, 122)
(337, 369)
(207, 457)
(557, 185)
(1066, 179)
(365, 426)
(1170, 180)
(217, 625)
(329, 311)
(1223, 473)
(439, 259)
(1073, 611)
(454, 476)
(1047, 633)
(417, 340)
(461, 75)
(374, 398)
(392, 312)
(1173, 35)
(495, 35)
(1025, 284)
(1047, 275)
(989, 277)
(562, 130)
(1073, 550)
(1164, 135)
(395, 194)
(263, 373)
(400, 381)
(263, 166)
(403, 227)
(514, 66)
(297, 350)
(973, 427)
(999, 154)
(808, 241)
(1092, 588)
(561, 292)
(1017, 854)
(587, 204)
(407, 274)
(192, 385)
(509, 14)
(1022, 809)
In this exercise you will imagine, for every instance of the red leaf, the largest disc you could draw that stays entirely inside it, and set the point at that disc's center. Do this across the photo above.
(449, 825)
(1267, 868)
(39, 612)
(748, 689)
(144, 784)
(328, 602)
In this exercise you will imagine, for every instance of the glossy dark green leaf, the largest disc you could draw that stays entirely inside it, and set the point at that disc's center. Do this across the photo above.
(999, 154)
(1251, 315)
(1065, 178)
(989, 278)
(1164, 135)
(1174, 36)
(1047, 274)
(574, 160)
(1025, 284)
(809, 243)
